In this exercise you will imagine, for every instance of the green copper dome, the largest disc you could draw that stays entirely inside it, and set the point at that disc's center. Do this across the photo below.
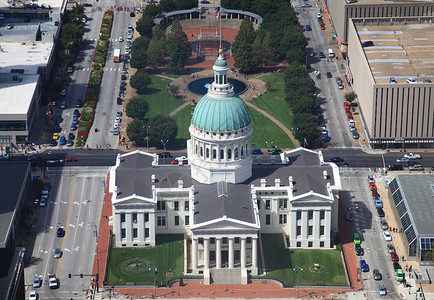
(220, 114)
(221, 63)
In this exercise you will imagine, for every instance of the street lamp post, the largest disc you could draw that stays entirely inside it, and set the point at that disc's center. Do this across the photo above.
(147, 136)
(296, 273)
(164, 144)
(96, 234)
(155, 270)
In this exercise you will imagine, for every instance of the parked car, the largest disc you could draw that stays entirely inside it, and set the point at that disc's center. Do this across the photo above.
(372, 186)
(176, 161)
(356, 239)
(412, 156)
(79, 104)
(321, 55)
(336, 159)
(274, 151)
(371, 178)
(69, 143)
(377, 274)
(257, 151)
(306, 5)
(395, 167)
(33, 295)
(349, 216)
(396, 266)
(55, 136)
(358, 249)
(62, 140)
(329, 75)
(63, 105)
(71, 136)
(384, 225)
(390, 248)
(364, 266)
(308, 28)
(63, 92)
(378, 203)
(394, 256)
(355, 135)
(382, 290)
(399, 275)
(387, 236)
(380, 212)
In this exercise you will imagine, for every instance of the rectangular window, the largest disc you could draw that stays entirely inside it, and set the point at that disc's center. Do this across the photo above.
(249, 240)
(310, 230)
(267, 219)
(224, 240)
(298, 230)
(134, 217)
(298, 214)
(322, 214)
(258, 202)
(146, 217)
(135, 233)
(321, 244)
(321, 230)
(122, 217)
(187, 205)
(123, 233)
(187, 220)
(282, 219)
(283, 203)
(146, 232)
(310, 244)
(176, 220)
(267, 204)
(298, 244)
(176, 205)
(161, 221)
(212, 241)
(310, 214)
(161, 205)
(237, 240)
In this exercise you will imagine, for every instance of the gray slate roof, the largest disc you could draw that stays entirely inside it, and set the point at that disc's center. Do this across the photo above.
(304, 167)
(418, 192)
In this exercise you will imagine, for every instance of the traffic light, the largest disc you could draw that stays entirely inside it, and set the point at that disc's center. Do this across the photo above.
(81, 275)
(69, 275)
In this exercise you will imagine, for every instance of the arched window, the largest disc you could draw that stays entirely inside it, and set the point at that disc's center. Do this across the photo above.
(236, 153)
(242, 151)
(229, 153)
(201, 151)
(222, 154)
(207, 152)
(214, 154)
(216, 78)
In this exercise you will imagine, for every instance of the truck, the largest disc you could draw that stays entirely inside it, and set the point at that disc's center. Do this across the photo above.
(117, 55)
(412, 156)
(52, 281)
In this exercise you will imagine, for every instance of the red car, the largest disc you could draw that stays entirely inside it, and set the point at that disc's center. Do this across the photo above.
(372, 186)
(175, 162)
(375, 195)
(70, 159)
(322, 27)
(394, 256)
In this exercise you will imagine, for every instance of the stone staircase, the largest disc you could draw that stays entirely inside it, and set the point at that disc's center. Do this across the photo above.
(225, 276)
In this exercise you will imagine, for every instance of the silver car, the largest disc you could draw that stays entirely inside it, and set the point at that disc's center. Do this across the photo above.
(57, 253)
(37, 282)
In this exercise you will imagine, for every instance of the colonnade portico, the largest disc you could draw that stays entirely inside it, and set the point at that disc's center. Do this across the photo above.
(224, 252)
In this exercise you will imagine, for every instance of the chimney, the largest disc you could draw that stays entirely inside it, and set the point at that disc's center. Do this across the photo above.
(263, 182)
(153, 178)
(326, 176)
(277, 182)
(180, 184)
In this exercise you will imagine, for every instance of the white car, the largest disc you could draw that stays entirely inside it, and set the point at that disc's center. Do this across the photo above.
(402, 160)
(411, 80)
(33, 295)
(118, 120)
(387, 236)
(412, 156)
(70, 70)
(121, 39)
(37, 282)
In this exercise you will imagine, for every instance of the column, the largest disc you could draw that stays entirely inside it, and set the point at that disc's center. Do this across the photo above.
(254, 253)
(129, 228)
(231, 253)
(141, 227)
(327, 227)
(206, 253)
(152, 225)
(194, 255)
(218, 253)
(243, 252)
(118, 229)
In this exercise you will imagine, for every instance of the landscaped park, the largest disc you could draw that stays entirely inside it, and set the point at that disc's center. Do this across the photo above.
(137, 265)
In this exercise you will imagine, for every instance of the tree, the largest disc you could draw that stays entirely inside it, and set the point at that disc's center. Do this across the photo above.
(162, 128)
(167, 5)
(242, 48)
(138, 53)
(178, 47)
(185, 4)
(140, 81)
(137, 108)
(136, 131)
(306, 127)
(295, 56)
(152, 10)
(144, 25)
(297, 83)
(269, 53)
(174, 89)
(350, 96)
(156, 48)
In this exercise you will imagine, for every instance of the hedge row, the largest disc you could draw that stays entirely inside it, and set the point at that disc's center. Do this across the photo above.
(95, 79)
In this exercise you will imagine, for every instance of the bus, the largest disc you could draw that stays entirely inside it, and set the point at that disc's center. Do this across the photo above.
(116, 55)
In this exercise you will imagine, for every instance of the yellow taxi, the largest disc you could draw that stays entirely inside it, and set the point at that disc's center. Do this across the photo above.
(55, 136)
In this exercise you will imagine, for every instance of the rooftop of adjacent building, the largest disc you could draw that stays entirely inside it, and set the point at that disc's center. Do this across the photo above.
(387, 2)
(6, 4)
(399, 51)
(418, 190)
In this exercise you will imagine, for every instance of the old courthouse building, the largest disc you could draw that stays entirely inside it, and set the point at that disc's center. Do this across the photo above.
(224, 198)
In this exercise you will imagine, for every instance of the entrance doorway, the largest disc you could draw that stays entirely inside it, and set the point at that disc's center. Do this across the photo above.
(225, 258)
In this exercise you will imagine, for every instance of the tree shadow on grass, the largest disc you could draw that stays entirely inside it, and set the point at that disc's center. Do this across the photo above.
(150, 91)
(177, 144)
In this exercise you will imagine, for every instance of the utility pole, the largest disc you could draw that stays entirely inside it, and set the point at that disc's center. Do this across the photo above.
(296, 273)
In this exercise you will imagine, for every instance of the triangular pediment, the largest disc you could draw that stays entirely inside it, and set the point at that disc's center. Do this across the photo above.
(225, 224)
(131, 200)
(311, 197)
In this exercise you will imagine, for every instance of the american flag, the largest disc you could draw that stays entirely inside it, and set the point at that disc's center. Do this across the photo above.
(217, 13)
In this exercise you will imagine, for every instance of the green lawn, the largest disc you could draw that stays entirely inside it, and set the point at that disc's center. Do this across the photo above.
(280, 264)
(166, 256)
(273, 101)
(183, 120)
(159, 99)
(264, 130)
